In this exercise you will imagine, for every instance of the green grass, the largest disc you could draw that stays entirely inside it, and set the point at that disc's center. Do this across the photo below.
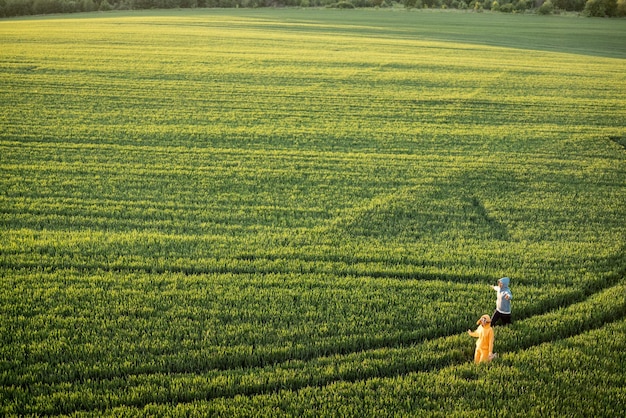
(300, 212)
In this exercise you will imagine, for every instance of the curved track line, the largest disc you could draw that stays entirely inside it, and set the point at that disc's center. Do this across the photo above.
(435, 354)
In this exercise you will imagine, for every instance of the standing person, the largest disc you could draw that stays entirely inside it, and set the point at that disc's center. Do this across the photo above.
(503, 302)
(484, 344)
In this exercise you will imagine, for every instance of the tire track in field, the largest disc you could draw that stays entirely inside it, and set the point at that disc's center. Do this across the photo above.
(359, 344)
(432, 355)
(356, 344)
(619, 140)
(264, 358)
(337, 265)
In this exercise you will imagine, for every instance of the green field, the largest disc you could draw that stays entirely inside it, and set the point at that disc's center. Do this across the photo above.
(284, 212)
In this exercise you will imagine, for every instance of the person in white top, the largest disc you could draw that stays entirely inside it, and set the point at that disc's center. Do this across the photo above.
(503, 302)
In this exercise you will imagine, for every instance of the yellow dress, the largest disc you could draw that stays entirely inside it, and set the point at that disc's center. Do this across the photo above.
(484, 344)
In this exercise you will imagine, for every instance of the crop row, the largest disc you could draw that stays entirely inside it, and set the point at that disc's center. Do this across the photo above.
(142, 385)
(114, 325)
(269, 251)
(122, 324)
(522, 383)
(269, 94)
(133, 209)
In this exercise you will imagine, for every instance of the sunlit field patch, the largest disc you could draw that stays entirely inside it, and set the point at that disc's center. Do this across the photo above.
(301, 212)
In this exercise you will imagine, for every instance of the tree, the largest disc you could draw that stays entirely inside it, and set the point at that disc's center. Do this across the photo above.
(88, 6)
(48, 6)
(601, 8)
(571, 5)
(546, 8)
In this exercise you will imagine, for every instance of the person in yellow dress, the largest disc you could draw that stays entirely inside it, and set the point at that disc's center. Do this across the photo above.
(484, 344)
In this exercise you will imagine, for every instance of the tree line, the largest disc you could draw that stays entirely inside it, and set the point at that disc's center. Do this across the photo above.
(597, 8)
